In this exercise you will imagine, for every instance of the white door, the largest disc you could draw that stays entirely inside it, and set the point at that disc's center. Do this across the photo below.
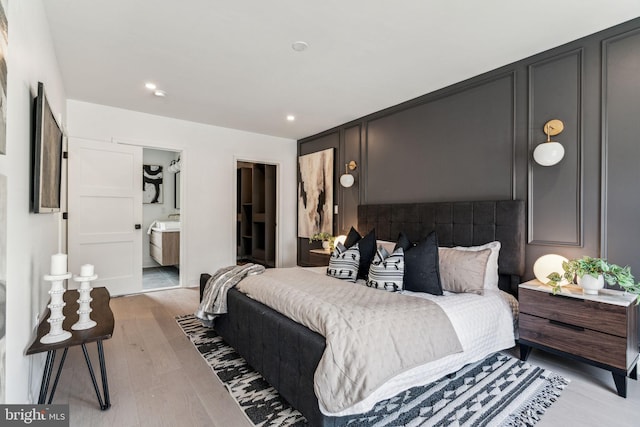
(105, 213)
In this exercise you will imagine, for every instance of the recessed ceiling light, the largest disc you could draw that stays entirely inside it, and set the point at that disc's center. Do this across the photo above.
(291, 117)
(150, 86)
(160, 93)
(299, 46)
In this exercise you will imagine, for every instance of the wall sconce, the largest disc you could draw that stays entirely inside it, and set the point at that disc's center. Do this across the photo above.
(550, 153)
(346, 179)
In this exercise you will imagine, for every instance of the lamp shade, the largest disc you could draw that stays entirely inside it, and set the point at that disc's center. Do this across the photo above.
(547, 264)
(346, 180)
(548, 153)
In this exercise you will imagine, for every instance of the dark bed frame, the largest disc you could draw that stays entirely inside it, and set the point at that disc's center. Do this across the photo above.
(287, 353)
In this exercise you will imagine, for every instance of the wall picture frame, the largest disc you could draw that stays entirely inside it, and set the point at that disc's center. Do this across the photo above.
(315, 193)
(152, 184)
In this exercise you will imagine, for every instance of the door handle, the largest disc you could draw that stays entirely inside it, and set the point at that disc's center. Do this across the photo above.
(138, 226)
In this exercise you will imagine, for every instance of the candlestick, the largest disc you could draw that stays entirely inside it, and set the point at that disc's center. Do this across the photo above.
(56, 333)
(84, 309)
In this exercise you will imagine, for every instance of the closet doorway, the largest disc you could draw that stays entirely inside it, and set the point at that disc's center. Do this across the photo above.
(256, 213)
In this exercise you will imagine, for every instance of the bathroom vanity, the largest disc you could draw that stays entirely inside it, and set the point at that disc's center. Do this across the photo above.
(164, 246)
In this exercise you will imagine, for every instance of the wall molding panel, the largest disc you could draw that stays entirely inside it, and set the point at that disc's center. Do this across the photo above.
(620, 175)
(555, 211)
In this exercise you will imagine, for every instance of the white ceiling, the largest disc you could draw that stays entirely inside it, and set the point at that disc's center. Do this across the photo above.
(230, 63)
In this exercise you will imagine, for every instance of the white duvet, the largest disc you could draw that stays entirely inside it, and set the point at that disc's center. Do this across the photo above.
(484, 324)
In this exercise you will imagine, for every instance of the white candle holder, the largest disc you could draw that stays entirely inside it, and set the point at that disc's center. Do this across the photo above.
(84, 311)
(56, 333)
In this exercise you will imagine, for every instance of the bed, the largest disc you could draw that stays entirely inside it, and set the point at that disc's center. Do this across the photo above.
(287, 353)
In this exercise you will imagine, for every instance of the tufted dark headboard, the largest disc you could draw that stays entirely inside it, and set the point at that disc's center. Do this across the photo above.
(457, 224)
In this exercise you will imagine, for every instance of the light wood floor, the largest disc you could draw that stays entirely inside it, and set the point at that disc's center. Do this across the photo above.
(157, 378)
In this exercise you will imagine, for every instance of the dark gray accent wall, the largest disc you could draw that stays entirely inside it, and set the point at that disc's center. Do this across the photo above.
(621, 149)
(449, 148)
(474, 141)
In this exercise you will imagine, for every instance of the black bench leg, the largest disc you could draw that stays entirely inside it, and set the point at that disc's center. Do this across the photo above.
(46, 376)
(103, 373)
(93, 376)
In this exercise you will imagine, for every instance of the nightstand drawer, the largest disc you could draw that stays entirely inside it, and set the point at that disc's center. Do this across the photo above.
(607, 349)
(608, 318)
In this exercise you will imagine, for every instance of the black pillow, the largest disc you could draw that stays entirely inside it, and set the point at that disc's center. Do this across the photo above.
(352, 238)
(421, 266)
(367, 245)
(367, 251)
(403, 242)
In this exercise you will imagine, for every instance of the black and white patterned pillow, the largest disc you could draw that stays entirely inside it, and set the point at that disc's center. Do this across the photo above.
(343, 263)
(387, 271)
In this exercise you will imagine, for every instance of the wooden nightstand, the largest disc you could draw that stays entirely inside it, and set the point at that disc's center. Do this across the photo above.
(601, 330)
(319, 257)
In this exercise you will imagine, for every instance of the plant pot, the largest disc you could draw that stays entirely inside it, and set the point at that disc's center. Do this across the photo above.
(325, 244)
(590, 285)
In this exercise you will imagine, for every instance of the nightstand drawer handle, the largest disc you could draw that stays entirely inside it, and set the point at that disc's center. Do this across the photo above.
(566, 325)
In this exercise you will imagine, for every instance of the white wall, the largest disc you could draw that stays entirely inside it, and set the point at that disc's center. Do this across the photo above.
(208, 177)
(154, 211)
(31, 238)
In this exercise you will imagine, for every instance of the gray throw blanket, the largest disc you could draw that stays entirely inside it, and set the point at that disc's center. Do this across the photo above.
(214, 297)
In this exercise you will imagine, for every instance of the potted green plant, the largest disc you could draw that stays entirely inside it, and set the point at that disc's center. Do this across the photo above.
(326, 238)
(591, 273)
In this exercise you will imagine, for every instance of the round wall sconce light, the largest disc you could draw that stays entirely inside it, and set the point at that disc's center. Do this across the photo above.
(550, 153)
(346, 179)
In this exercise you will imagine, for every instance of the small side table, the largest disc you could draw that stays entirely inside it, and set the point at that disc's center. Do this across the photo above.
(319, 257)
(103, 315)
(601, 330)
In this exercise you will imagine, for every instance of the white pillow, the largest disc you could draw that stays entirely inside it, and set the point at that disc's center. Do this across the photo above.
(344, 263)
(491, 272)
(387, 271)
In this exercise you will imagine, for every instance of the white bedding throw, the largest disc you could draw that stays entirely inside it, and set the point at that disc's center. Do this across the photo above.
(371, 335)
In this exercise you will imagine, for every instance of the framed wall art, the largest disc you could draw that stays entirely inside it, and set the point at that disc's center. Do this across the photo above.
(315, 193)
(152, 184)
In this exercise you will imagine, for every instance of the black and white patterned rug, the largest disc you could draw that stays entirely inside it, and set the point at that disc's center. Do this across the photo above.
(498, 391)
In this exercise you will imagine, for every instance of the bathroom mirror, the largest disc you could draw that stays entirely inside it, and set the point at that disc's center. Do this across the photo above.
(176, 191)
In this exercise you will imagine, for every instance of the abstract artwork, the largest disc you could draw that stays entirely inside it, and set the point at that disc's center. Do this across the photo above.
(4, 43)
(315, 193)
(3, 283)
(151, 184)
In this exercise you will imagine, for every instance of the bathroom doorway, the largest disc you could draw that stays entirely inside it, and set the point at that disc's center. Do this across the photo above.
(161, 219)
